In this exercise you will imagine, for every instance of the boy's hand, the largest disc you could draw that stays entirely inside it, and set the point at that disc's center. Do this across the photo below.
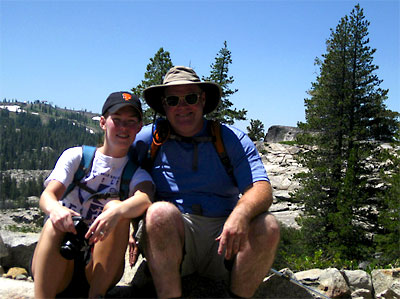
(61, 217)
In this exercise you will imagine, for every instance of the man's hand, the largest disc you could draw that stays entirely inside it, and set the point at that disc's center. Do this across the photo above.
(255, 200)
(234, 235)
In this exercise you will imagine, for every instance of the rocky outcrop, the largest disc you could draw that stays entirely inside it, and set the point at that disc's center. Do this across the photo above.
(316, 283)
(281, 133)
(281, 165)
(386, 283)
(18, 248)
(22, 174)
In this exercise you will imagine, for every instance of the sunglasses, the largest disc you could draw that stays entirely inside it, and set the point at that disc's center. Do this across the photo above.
(190, 99)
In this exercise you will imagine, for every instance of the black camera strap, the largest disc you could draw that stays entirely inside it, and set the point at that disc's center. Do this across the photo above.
(105, 195)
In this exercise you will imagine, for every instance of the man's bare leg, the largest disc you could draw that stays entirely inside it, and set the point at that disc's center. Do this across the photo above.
(254, 261)
(164, 244)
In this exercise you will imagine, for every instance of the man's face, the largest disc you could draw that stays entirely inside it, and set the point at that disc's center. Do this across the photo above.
(185, 118)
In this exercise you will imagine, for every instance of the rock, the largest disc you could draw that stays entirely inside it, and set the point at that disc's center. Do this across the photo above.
(27, 216)
(20, 247)
(329, 282)
(20, 289)
(136, 283)
(275, 286)
(21, 277)
(281, 133)
(386, 283)
(14, 272)
(360, 283)
(3, 248)
(23, 219)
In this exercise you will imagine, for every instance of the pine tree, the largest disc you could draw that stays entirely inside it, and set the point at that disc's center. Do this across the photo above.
(387, 241)
(345, 119)
(156, 70)
(219, 74)
(256, 130)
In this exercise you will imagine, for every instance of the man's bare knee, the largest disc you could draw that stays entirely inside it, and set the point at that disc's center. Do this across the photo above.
(162, 213)
(266, 229)
(273, 231)
(164, 221)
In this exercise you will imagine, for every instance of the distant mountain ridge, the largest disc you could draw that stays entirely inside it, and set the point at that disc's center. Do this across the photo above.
(33, 135)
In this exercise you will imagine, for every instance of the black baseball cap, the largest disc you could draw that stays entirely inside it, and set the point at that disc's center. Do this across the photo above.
(117, 100)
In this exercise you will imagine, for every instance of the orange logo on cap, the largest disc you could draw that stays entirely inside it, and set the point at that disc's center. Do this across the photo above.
(126, 96)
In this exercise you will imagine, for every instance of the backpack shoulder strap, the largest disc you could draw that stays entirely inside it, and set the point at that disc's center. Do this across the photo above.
(215, 129)
(127, 174)
(161, 132)
(84, 168)
(87, 159)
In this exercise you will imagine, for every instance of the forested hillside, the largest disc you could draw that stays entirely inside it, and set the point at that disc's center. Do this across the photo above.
(33, 137)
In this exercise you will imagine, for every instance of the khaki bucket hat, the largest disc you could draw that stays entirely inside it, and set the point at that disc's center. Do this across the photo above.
(182, 75)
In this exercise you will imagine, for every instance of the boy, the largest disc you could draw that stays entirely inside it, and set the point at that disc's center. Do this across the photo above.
(108, 217)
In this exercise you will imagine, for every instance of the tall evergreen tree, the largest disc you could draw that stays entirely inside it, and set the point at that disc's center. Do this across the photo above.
(256, 130)
(219, 74)
(154, 75)
(345, 119)
(388, 240)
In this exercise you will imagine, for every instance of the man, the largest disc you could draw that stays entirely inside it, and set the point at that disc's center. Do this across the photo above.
(200, 223)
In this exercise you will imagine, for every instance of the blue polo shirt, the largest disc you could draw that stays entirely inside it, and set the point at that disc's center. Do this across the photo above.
(209, 186)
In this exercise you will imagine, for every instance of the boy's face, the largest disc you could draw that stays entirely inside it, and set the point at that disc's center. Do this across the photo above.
(121, 128)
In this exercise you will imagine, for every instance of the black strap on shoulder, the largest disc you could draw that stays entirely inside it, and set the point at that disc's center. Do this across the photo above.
(85, 165)
(126, 177)
(214, 128)
(84, 168)
(163, 132)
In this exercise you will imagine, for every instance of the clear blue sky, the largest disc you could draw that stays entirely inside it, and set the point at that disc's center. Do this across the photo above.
(74, 53)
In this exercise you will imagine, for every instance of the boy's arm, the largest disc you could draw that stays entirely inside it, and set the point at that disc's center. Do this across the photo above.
(130, 208)
(49, 203)
(137, 204)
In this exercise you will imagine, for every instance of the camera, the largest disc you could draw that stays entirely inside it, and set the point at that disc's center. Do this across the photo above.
(73, 244)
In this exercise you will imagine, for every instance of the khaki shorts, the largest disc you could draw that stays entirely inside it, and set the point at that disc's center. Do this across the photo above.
(201, 248)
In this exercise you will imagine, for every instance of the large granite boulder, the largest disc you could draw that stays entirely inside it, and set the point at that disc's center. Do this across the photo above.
(281, 133)
(20, 247)
(386, 283)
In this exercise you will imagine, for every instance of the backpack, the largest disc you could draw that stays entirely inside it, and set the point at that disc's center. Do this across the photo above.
(163, 131)
(84, 168)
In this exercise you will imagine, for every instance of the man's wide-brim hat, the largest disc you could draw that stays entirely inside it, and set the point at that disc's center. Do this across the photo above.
(181, 75)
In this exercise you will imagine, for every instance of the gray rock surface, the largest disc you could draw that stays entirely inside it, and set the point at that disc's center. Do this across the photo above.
(20, 247)
(3, 249)
(136, 283)
(11, 288)
(386, 283)
(281, 133)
